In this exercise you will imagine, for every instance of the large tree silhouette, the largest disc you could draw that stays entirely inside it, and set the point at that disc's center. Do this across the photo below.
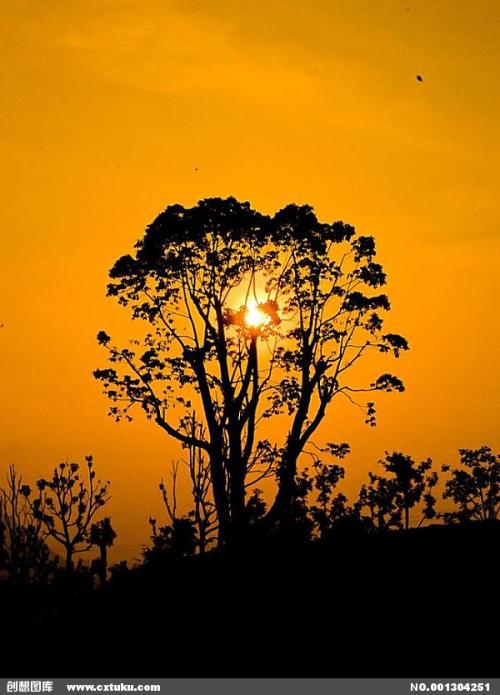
(249, 317)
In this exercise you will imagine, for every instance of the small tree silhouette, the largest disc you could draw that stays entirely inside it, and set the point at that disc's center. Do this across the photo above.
(475, 488)
(172, 541)
(389, 501)
(204, 513)
(67, 504)
(24, 554)
(327, 506)
(177, 538)
(102, 535)
(202, 519)
(255, 507)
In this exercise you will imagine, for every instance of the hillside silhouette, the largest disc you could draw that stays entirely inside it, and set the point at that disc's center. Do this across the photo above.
(359, 600)
(249, 321)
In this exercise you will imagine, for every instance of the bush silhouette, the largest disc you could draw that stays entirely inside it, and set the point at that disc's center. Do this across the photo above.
(474, 487)
(389, 501)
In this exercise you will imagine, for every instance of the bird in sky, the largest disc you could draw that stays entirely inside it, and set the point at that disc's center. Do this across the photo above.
(420, 78)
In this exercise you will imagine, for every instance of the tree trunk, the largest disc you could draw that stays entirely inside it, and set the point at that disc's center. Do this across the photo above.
(236, 482)
(237, 502)
(220, 497)
(103, 564)
(286, 490)
(288, 468)
(69, 559)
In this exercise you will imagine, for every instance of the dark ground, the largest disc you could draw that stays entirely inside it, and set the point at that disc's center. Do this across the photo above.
(417, 603)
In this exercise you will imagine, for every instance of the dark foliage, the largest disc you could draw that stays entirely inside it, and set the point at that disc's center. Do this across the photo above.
(294, 609)
(192, 279)
(387, 501)
(66, 505)
(474, 487)
(320, 584)
(102, 535)
(24, 554)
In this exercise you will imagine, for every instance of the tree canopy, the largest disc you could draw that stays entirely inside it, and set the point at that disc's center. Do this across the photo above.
(249, 317)
(474, 486)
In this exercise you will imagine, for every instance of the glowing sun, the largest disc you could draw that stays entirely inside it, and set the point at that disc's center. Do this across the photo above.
(254, 316)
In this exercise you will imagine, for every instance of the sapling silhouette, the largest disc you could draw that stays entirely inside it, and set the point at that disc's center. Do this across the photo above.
(67, 504)
(102, 535)
(203, 514)
(220, 285)
(296, 525)
(390, 500)
(474, 487)
(25, 554)
(328, 508)
(202, 519)
(178, 538)
(256, 507)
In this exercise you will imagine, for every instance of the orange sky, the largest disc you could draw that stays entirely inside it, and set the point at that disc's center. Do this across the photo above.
(112, 109)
